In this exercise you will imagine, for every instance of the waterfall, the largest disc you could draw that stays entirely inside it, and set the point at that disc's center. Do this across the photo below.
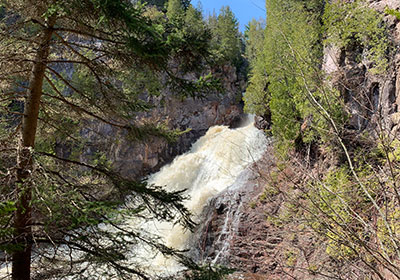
(211, 166)
(217, 161)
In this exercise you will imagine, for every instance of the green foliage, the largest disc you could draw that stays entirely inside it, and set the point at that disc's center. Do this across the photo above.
(7, 209)
(145, 131)
(254, 39)
(225, 44)
(175, 11)
(164, 3)
(286, 81)
(350, 24)
(195, 25)
(256, 98)
(338, 210)
(389, 149)
(199, 88)
(393, 12)
(292, 54)
(108, 63)
(158, 3)
(209, 273)
(190, 39)
(291, 257)
(393, 219)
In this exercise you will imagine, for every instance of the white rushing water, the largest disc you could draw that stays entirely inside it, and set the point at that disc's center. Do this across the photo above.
(211, 166)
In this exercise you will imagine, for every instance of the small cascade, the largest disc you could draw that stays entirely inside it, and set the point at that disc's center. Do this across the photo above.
(221, 220)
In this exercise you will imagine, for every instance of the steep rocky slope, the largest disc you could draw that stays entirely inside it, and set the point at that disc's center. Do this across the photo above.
(264, 247)
(254, 244)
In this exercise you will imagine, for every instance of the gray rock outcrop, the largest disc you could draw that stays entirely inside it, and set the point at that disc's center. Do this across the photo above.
(372, 99)
(134, 158)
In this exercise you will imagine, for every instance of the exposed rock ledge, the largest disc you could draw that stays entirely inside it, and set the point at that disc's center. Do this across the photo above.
(234, 235)
(135, 159)
(239, 235)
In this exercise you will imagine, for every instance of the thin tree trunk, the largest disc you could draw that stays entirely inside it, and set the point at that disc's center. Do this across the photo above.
(21, 259)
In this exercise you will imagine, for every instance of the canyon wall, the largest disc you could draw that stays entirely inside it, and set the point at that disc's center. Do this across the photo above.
(372, 99)
(135, 158)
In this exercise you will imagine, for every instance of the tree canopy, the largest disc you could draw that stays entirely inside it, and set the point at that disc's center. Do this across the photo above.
(346, 194)
(226, 39)
(64, 64)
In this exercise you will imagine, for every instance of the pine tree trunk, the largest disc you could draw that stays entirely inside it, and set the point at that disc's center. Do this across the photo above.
(21, 259)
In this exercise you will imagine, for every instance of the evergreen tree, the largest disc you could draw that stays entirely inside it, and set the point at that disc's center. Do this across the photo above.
(190, 36)
(256, 98)
(293, 55)
(254, 36)
(197, 36)
(62, 64)
(226, 42)
(212, 20)
(164, 3)
(194, 22)
(175, 11)
(158, 3)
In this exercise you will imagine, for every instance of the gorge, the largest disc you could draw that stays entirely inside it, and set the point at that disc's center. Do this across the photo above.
(128, 148)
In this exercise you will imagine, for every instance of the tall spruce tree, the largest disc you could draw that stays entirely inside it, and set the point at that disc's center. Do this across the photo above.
(60, 66)
(256, 98)
(175, 10)
(254, 36)
(226, 42)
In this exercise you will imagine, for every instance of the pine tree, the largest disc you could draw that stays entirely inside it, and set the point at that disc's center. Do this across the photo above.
(175, 11)
(254, 36)
(226, 37)
(61, 65)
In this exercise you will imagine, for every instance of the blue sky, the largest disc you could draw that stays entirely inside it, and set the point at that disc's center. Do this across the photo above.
(244, 10)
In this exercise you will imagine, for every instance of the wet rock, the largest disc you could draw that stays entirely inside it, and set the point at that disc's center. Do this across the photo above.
(220, 209)
(262, 122)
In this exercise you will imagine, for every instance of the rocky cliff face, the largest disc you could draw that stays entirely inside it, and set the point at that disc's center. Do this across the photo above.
(134, 158)
(243, 230)
(372, 99)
